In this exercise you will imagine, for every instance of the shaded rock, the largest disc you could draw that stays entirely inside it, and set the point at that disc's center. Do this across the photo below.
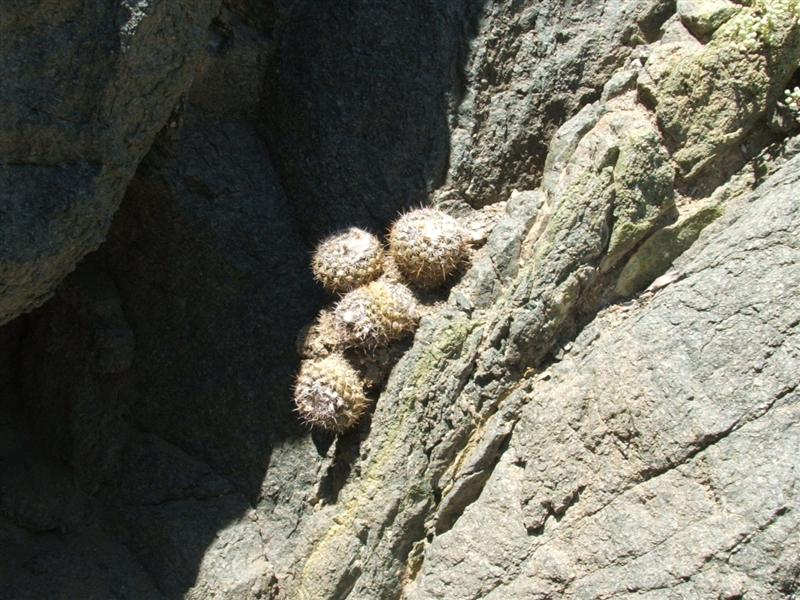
(53, 543)
(85, 92)
(187, 526)
(209, 227)
(359, 130)
(76, 351)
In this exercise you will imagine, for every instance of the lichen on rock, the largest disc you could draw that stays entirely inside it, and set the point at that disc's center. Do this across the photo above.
(708, 100)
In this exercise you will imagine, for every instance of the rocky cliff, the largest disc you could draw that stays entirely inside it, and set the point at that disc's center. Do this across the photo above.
(606, 403)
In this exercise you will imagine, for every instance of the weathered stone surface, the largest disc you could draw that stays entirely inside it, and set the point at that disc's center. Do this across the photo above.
(213, 212)
(74, 360)
(85, 90)
(656, 254)
(703, 17)
(192, 531)
(351, 150)
(359, 130)
(705, 112)
(531, 66)
(523, 446)
(500, 322)
(53, 544)
(658, 459)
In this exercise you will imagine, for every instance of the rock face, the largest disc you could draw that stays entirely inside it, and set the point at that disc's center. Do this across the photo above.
(606, 405)
(530, 66)
(85, 90)
(658, 457)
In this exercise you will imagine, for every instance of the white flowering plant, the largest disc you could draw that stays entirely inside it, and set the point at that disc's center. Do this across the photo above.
(791, 100)
(759, 22)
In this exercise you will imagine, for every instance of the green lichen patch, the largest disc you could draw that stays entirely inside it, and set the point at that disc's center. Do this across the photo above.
(709, 100)
(643, 186)
(657, 253)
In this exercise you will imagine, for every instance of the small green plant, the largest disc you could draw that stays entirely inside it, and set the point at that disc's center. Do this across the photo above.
(427, 245)
(758, 24)
(791, 100)
(347, 260)
(329, 393)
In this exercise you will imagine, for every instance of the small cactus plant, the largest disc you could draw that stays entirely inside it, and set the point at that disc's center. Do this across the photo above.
(329, 394)
(320, 338)
(375, 314)
(348, 349)
(427, 245)
(347, 260)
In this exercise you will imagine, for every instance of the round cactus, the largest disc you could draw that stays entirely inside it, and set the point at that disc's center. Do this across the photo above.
(320, 338)
(329, 394)
(347, 260)
(427, 245)
(375, 314)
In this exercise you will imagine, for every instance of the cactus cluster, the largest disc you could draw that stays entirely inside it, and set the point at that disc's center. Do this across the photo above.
(376, 308)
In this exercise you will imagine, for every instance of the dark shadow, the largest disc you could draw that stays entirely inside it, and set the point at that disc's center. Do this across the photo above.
(169, 357)
(355, 111)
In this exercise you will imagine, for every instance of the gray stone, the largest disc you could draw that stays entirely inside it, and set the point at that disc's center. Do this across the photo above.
(656, 254)
(657, 459)
(85, 90)
(210, 227)
(531, 66)
(74, 361)
(53, 542)
(535, 440)
(359, 130)
(703, 17)
(704, 114)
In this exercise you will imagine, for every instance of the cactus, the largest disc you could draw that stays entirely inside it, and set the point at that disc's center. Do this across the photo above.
(375, 314)
(347, 260)
(320, 338)
(329, 394)
(427, 245)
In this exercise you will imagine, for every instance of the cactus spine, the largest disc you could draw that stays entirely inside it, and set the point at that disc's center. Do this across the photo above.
(375, 314)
